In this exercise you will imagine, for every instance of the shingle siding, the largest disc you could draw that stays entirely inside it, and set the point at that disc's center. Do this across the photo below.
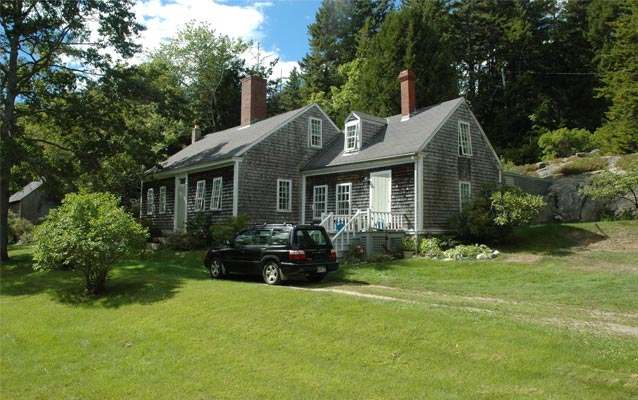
(226, 173)
(444, 168)
(163, 221)
(402, 190)
(280, 156)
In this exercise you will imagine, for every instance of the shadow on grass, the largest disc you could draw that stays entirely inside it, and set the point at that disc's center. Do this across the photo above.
(148, 279)
(555, 240)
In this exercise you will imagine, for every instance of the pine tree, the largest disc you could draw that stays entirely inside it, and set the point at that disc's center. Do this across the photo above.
(619, 63)
(333, 40)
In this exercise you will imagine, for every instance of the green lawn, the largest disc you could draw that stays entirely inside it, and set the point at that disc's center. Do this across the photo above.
(556, 316)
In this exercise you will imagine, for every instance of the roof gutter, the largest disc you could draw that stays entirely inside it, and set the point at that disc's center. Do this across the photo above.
(357, 166)
(191, 169)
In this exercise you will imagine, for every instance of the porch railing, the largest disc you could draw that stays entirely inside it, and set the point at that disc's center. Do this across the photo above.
(346, 227)
(365, 220)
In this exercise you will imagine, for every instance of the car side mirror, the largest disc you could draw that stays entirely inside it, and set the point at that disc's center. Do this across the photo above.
(228, 243)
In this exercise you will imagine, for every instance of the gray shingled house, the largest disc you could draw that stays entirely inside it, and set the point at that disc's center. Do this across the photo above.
(408, 172)
(252, 169)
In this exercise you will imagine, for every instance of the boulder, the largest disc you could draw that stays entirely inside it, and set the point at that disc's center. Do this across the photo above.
(566, 204)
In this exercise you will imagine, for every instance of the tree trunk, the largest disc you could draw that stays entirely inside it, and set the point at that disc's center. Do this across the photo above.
(5, 174)
(8, 131)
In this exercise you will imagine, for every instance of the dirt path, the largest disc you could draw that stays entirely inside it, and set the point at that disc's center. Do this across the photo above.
(558, 315)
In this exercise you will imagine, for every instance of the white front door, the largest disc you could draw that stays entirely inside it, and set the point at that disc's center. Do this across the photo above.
(381, 191)
(181, 193)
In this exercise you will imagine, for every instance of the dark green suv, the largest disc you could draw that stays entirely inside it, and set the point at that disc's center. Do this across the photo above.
(277, 252)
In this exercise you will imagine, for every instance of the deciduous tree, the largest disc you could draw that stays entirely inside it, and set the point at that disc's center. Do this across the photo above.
(46, 46)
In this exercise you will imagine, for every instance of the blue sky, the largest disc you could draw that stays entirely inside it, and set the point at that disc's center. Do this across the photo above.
(280, 26)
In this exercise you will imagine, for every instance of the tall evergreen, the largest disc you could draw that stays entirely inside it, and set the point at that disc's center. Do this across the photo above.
(499, 48)
(333, 39)
(413, 37)
(619, 64)
(569, 77)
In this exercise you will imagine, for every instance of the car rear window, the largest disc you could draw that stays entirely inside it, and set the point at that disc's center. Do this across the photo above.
(311, 238)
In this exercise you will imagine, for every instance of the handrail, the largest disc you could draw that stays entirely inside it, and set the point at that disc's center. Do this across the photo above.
(348, 226)
(328, 216)
(338, 239)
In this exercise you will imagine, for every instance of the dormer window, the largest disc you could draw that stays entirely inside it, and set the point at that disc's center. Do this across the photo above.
(353, 137)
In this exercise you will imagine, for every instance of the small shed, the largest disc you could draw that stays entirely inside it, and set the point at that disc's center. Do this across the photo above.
(32, 202)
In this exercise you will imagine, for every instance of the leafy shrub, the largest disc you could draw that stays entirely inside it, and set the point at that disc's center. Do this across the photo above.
(153, 229)
(492, 216)
(20, 229)
(90, 232)
(621, 186)
(408, 243)
(195, 236)
(564, 142)
(355, 255)
(223, 231)
(198, 228)
(180, 241)
(462, 251)
(582, 165)
(431, 248)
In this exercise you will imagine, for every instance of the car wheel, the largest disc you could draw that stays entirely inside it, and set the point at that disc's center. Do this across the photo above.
(271, 273)
(216, 268)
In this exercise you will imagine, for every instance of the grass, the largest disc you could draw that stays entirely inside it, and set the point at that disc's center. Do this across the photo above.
(582, 165)
(555, 317)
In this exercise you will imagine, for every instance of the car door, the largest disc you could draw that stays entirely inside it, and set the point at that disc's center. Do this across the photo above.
(253, 252)
(235, 257)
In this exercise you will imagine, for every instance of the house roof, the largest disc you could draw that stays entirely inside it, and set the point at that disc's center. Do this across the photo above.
(367, 117)
(400, 138)
(27, 190)
(226, 144)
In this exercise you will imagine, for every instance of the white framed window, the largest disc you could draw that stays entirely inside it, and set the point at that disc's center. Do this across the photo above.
(150, 201)
(343, 198)
(353, 137)
(314, 133)
(284, 195)
(162, 200)
(465, 141)
(465, 193)
(319, 201)
(216, 194)
(200, 193)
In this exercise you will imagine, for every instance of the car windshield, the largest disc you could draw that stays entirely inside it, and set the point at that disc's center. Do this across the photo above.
(311, 238)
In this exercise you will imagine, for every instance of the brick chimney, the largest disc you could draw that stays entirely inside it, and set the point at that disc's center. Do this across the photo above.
(408, 93)
(253, 100)
(197, 134)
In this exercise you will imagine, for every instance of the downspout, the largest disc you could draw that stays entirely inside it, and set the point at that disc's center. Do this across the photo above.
(236, 188)
(418, 192)
(303, 198)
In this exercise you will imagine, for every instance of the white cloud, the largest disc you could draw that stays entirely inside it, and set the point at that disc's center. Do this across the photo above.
(163, 19)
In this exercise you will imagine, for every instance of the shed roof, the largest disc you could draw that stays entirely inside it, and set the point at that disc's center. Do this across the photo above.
(27, 190)
(398, 139)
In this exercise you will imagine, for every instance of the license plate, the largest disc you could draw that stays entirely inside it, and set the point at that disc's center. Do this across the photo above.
(321, 269)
